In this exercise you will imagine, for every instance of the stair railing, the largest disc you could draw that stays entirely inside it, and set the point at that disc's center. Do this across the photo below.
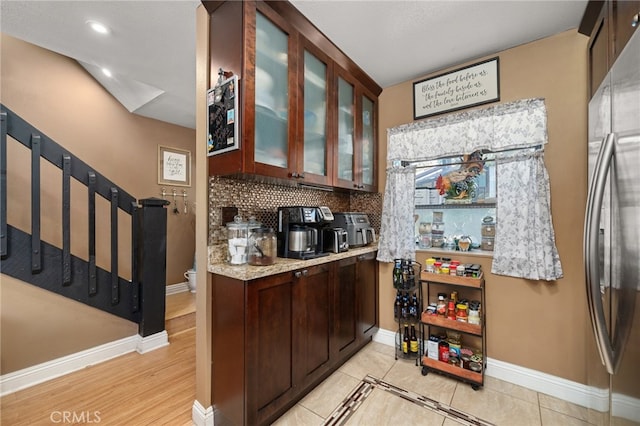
(29, 258)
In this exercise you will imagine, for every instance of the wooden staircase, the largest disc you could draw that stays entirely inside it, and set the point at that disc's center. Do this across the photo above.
(180, 315)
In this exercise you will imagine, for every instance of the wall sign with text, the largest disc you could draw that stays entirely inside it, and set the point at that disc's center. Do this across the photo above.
(463, 88)
(174, 166)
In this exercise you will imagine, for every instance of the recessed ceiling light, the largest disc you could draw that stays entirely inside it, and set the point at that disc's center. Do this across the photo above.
(106, 72)
(98, 27)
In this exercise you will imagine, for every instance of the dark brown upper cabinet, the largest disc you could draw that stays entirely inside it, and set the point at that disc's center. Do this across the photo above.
(297, 123)
(610, 25)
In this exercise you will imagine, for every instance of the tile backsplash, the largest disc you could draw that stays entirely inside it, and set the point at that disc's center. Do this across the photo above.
(263, 199)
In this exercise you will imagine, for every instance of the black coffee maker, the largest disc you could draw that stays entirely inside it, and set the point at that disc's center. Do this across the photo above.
(300, 231)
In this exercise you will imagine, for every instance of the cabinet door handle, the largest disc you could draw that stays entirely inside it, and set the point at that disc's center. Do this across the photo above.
(301, 175)
(304, 273)
(635, 20)
(297, 274)
(294, 174)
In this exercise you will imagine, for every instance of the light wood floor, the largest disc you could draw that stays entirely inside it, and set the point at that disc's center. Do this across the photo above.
(157, 388)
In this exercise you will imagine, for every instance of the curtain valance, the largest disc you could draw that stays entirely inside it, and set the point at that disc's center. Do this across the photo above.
(517, 124)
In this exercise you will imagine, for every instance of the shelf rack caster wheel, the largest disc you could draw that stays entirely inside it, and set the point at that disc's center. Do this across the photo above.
(475, 387)
(424, 371)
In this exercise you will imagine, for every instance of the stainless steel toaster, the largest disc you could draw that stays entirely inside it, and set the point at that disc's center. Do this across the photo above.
(334, 240)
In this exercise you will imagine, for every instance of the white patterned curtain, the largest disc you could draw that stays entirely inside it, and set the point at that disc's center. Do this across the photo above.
(397, 240)
(525, 241)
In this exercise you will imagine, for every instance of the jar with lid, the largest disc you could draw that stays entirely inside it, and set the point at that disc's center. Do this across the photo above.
(441, 307)
(451, 311)
(262, 246)
(424, 228)
(464, 243)
(237, 238)
(424, 241)
(443, 351)
(474, 312)
(461, 312)
(429, 265)
(437, 228)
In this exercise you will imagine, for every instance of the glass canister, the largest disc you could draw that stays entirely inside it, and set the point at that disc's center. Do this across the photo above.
(237, 237)
(262, 246)
(424, 228)
(464, 243)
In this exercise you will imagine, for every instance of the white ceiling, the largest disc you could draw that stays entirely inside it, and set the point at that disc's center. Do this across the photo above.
(151, 48)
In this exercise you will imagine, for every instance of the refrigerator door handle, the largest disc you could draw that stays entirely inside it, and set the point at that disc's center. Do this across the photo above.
(590, 253)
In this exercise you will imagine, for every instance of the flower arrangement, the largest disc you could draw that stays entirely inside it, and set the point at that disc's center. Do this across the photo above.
(461, 185)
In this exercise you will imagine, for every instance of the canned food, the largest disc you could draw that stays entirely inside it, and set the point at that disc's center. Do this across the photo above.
(443, 351)
(475, 366)
(466, 360)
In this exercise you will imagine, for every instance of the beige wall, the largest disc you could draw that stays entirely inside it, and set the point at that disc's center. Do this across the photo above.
(204, 293)
(62, 100)
(537, 325)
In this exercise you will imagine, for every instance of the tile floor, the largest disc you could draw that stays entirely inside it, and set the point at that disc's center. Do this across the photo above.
(498, 402)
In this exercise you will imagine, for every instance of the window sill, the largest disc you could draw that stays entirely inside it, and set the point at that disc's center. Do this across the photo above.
(447, 253)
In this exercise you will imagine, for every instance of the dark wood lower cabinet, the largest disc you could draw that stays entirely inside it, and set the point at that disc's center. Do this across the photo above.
(345, 309)
(367, 287)
(276, 338)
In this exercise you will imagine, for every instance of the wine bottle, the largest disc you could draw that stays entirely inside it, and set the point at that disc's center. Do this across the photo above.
(413, 341)
(406, 341)
(405, 306)
(397, 308)
(397, 275)
(413, 307)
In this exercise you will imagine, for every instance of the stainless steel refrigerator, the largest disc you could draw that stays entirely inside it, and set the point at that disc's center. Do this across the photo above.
(612, 243)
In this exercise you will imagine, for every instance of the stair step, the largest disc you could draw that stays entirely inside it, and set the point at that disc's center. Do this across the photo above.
(180, 312)
(179, 324)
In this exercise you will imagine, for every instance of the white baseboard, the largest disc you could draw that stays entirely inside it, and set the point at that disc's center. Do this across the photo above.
(567, 390)
(177, 288)
(153, 342)
(27, 377)
(201, 416)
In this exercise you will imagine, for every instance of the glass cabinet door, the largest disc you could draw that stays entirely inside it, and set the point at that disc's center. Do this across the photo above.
(346, 130)
(315, 115)
(368, 152)
(271, 94)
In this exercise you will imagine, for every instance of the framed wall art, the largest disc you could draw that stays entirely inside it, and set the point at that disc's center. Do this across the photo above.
(454, 90)
(222, 126)
(174, 166)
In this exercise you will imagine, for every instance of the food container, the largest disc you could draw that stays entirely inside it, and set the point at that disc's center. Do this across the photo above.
(262, 247)
(424, 241)
(443, 351)
(424, 228)
(238, 239)
(430, 262)
(465, 360)
(437, 228)
(432, 347)
(475, 366)
(437, 241)
(464, 243)
(488, 230)
(487, 243)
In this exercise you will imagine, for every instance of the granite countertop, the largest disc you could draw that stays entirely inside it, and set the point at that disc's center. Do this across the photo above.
(249, 272)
